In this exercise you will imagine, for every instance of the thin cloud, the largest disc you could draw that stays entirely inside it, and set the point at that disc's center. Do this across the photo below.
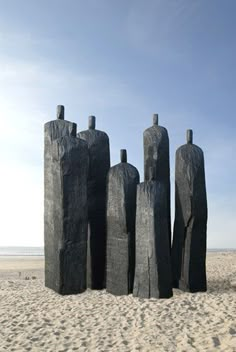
(28, 94)
(155, 27)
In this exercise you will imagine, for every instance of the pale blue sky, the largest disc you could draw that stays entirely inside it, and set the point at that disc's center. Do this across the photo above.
(121, 61)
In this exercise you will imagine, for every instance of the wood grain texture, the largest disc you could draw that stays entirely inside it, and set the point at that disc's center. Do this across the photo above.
(65, 208)
(99, 164)
(153, 265)
(190, 227)
(121, 210)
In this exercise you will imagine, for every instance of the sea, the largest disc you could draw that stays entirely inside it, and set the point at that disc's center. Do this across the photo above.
(39, 251)
(21, 251)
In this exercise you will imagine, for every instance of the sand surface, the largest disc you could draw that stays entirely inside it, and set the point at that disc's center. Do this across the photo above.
(34, 318)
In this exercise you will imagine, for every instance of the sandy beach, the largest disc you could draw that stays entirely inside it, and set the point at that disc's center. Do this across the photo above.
(34, 318)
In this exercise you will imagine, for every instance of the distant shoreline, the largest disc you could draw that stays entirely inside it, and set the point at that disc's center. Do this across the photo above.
(21, 255)
(221, 249)
(13, 251)
(39, 251)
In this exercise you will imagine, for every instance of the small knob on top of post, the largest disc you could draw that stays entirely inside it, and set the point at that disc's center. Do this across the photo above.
(60, 112)
(155, 119)
(189, 135)
(92, 122)
(123, 156)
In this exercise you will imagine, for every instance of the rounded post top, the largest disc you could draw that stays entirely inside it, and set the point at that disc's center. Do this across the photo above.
(123, 156)
(189, 136)
(155, 119)
(60, 112)
(91, 122)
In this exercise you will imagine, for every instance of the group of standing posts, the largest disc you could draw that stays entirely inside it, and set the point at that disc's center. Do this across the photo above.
(104, 229)
(75, 171)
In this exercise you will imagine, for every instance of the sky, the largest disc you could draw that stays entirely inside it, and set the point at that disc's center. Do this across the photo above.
(121, 61)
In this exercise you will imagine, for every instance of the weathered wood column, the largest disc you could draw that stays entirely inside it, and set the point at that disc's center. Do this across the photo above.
(121, 209)
(189, 241)
(65, 206)
(156, 157)
(152, 263)
(99, 164)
